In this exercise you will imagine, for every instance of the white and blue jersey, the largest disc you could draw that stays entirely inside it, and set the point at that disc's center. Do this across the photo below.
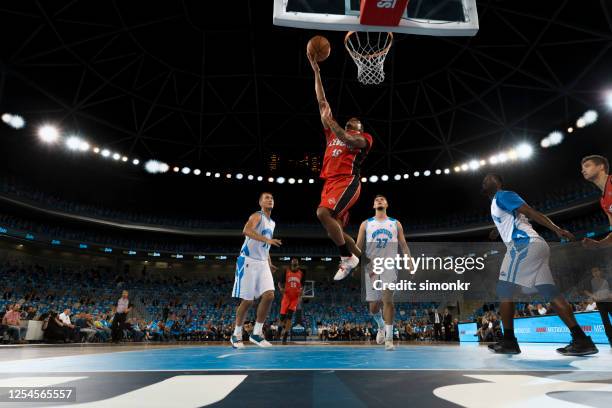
(381, 242)
(513, 227)
(381, 238)
(527, 260)
(257, 249)
(253, 275)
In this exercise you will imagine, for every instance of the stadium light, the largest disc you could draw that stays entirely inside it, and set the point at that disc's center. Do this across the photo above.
(14, 121)
(438, 172)
(364, 180)
(73, 143)
(384, 177)
(580, 123)
(208, 174)
(228, 176)
(291, 180)
(48, 134)
(493, 160)
(545, 143)
(239, 176)
(555, 138)
(185, 170)
(524, 151)
(105, 153)
(417, 174)
(116, 156)
(512, 154)
(135, 162)
(124, 159)
(250, 177)
(270, 179)
(397, 177)
(590, 117)
(300, 181)
(217, 175)
(373, 179)
(154, 166)
(446, 171)
(197, 172)
(96, 150)
(280, 180)
(427, 173)
(609, 100)
(502, 157)
(310, 181)
(474, 164)
(259, 178)
(175, 169)
(457, 169)
(570, 130)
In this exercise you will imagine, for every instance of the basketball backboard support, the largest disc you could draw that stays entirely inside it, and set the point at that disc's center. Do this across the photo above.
(421, 17)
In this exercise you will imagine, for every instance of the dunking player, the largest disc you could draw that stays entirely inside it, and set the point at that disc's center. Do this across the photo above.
(291, 285)
(345, 151)
(380, 237)
(596, 169)
(526, 265)
(253, 272)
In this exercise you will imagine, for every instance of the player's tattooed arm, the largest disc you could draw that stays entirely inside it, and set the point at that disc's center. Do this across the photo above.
(250, 231)
(352, 140)
(545, 222)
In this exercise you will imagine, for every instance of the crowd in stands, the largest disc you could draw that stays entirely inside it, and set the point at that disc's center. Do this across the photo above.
(570, 194)
(77, 304)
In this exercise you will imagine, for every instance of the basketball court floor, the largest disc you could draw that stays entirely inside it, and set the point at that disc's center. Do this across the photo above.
(441, 375)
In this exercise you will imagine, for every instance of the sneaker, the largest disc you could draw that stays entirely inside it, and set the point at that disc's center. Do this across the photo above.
(389, 345)
(380, 336)
(579, 347)
(505, 346)
(347, 264)
(236, 342)
(259, 340)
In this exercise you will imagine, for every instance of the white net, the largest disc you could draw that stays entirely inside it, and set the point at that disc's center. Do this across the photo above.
(369, 51)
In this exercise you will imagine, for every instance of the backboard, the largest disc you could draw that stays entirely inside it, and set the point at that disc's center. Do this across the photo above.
(420, 17)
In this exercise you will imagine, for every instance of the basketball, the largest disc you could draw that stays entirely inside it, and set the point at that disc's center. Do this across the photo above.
(319, 47)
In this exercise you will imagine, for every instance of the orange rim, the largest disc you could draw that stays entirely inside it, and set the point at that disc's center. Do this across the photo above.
(370, 56)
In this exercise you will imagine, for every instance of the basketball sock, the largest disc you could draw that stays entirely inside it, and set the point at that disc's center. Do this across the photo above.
(238, 332)
(258, 328)
(577, 332)
(388, 332)
(509, 334)
(344, 251)
(379, 320)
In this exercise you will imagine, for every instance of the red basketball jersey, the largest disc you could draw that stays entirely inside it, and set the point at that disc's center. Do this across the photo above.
(340, 159)
(606, 198)
(293, 282)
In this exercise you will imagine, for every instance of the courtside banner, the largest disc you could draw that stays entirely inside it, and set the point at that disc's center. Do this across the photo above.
(487, 272)
(544, 329)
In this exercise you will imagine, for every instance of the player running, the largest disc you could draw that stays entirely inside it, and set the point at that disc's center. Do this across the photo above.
(345, 151)
(526, 265)
(381, 237)
(291, 286)
(254, 272)
(596, 169)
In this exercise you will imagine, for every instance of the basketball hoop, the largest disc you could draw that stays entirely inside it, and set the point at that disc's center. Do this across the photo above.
(369, 51)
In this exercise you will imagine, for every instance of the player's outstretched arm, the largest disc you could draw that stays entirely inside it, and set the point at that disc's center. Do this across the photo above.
(250, 231)
(319, 90)
(545, 222)
(607, 241)
(353, 140)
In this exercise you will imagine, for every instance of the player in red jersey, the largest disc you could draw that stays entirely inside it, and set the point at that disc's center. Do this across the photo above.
(596, 169)
(345, 151)
(291, 285)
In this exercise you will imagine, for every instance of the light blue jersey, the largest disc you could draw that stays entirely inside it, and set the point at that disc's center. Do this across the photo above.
(513, 227)
(257, 249)
(381, 238)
